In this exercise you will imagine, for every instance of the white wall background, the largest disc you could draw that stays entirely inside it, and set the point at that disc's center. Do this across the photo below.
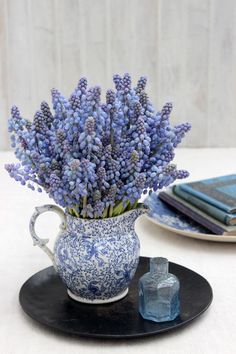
(187, 48)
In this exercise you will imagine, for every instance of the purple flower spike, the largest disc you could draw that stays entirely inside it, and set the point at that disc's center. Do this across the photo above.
(15, 113)
(82, 85)
(97, 157)
(141, 84)
(48, 117)
(118, 82)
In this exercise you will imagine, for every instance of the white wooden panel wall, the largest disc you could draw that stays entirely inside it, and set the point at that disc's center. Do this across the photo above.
(187, 48)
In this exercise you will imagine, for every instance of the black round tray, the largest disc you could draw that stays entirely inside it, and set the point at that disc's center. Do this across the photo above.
(44, 298)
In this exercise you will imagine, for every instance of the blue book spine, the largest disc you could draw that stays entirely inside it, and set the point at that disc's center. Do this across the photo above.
(191, 214)
(227, 219)
(205, 197)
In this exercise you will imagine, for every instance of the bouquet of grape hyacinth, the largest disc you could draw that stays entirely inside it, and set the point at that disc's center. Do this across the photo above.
(96, 159)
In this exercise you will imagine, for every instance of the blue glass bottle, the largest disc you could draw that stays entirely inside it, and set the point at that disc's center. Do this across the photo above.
(159, 292)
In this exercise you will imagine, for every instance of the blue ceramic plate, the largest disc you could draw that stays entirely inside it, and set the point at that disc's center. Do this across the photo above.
(170, 219)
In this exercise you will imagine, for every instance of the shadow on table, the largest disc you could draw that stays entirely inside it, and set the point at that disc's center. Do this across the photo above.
(155, 233)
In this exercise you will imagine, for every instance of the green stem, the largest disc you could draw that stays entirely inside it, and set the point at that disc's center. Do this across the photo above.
(70, 211)
(134, 206)
(104, 214)
(75, 212)
(127, 206)
(84, 205)
(118, 209)
(110, 211)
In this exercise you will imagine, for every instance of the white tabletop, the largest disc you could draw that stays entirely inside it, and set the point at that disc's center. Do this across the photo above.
(212, 333)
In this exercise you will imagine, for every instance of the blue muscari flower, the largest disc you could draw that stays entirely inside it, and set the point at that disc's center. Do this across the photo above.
(40, 122)
(74, 101)
(82, 85)
(110, 98)
(179, 133)
(89, 142)
(45, 109)
(143, 99)
(102, 179)
(91, 154)
(118, 82)
(98, 208)
(88, 211)
(141, 84)
(126, 82)
(110, 195)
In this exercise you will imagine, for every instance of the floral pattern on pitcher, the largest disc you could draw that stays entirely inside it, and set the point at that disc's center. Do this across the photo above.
(97, 259)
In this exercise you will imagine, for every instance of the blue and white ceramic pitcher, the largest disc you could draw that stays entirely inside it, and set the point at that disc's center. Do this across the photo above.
(95, 258)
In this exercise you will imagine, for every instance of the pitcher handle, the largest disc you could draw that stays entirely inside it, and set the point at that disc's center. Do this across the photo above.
(41, 242)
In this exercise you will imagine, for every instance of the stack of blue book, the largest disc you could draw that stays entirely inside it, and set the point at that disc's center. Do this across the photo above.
(210, 202)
